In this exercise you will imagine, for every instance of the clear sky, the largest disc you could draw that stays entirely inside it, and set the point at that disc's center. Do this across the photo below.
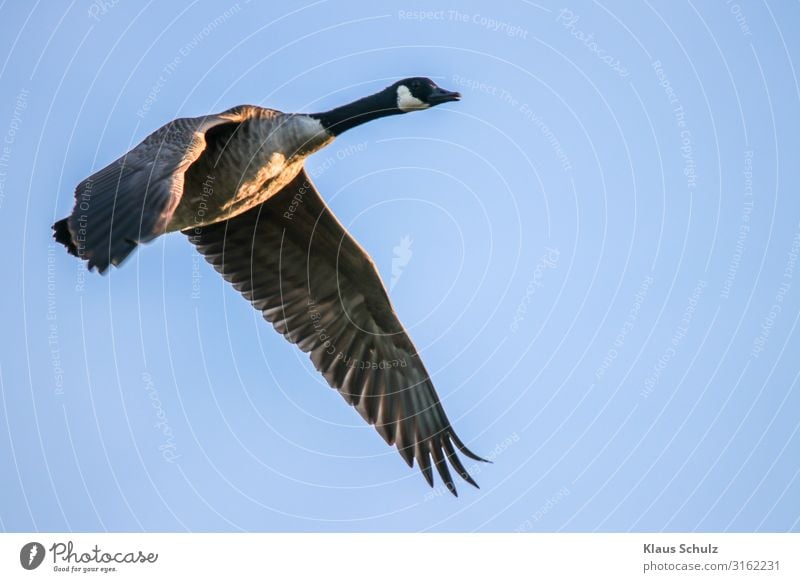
(595, 251)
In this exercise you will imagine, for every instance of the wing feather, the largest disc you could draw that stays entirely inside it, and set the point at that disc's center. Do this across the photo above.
(298, 265)
(131, 200)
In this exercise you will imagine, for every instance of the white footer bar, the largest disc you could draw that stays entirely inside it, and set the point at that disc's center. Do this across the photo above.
(400, 557)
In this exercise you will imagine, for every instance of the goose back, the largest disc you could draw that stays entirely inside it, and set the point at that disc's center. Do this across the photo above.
(246, 163)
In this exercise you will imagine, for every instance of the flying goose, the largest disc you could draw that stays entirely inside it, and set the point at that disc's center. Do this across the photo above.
(234, 183)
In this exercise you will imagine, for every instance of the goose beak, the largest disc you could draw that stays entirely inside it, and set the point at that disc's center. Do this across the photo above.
(439, 95)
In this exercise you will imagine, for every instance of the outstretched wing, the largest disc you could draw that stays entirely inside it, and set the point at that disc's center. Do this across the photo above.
(295, 262)
(131, 200)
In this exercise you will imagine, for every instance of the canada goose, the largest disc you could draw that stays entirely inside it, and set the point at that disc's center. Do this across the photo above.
(234, 183)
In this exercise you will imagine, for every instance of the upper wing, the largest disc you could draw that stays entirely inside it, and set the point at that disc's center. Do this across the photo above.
(293, 260)
(132, 199)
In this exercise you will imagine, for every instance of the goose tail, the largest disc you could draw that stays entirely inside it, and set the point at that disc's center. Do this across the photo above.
(62, 235)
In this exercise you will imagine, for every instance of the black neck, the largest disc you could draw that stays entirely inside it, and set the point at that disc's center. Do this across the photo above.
(342, 118)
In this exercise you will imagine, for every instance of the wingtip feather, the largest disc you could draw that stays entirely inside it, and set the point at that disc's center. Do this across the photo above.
(465, 451)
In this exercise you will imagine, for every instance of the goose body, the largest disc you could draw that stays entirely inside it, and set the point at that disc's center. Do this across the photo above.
(246, 163)
(234, 183)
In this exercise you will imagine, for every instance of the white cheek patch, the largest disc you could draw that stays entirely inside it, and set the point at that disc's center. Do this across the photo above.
(407, 102)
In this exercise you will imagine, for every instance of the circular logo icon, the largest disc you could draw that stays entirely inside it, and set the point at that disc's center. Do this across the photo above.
(31, 555)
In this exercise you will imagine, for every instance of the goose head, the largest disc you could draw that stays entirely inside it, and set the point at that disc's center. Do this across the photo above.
(417, 93)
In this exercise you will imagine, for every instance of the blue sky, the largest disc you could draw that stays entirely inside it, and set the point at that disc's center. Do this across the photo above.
(595, 251)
